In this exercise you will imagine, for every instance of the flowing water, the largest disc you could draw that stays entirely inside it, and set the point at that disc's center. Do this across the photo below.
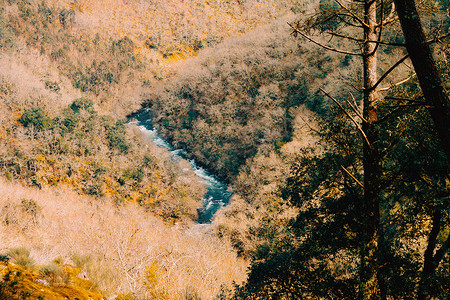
(217, 194)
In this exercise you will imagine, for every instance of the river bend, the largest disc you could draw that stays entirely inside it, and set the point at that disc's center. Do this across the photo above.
(217, 194)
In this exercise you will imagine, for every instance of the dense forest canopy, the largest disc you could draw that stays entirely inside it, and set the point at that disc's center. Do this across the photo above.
(328, 119)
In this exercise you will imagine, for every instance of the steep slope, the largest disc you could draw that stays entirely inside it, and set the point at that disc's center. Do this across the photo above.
(121, 250)
(70, 71)
(62, 93)
(239, 98)
(177, 27)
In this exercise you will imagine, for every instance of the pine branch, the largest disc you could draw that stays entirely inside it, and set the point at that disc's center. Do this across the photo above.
(297, 31)
(358, 126)
(390, 18)
(354, 109)
(352, 14)
(339, 15)
(393, 142)
(354, 178)
(396, 84)
(388, 72)
(362, 41)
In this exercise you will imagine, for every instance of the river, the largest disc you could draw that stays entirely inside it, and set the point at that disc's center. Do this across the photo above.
(217, 194)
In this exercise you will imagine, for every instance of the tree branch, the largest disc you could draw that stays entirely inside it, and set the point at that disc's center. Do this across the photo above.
(388, 43)
(344, 36)
(309, 126)
(389, 19)
(426, 69)
(349, 116)
(387, 115)
(410, 105)
(396, 84)
(388, 72)
(429, 265)
(441, 252)
(437, 39)
(352, 14)
(354, 178)
(339, 15)
(297, 31)
(393, 142)
(355, 110)
(362, 41)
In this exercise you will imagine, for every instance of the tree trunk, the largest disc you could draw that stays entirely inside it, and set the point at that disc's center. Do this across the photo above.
(439, 107)
(428, 265)
(426, 70)
(369, 287)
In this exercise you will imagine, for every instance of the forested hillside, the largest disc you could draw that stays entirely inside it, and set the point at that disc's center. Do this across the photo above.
(320, 116)
(332, 211)
(70, 73)
(60, 240)
(240, 98)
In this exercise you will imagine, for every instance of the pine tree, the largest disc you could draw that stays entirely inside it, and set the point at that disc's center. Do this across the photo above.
(378, 190)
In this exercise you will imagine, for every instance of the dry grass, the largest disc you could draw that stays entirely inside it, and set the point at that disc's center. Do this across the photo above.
(121, 249)
(25, 73)
(174, 23)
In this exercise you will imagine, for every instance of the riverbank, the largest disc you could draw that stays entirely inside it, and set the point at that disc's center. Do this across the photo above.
(217, 193)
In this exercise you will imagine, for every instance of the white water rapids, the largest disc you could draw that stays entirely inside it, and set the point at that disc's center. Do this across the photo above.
(217, 194)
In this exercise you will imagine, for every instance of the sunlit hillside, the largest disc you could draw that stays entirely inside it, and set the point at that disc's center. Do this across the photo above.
(321, 150)
(121, 250)
(176, 28)
(70, 72)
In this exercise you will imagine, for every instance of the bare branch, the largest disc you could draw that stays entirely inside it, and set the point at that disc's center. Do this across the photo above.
(344, 36)
(436, 29)
(397, 84)
(390, 18)
(354, 178)
(354, 101)
(297, 31)
(309, 126)
(356, 88)
(352, 14)
(355, 110)
(340, 16)
(388, 72)
(439, 38)
(389, 21)
(362, 41)
(358, 126)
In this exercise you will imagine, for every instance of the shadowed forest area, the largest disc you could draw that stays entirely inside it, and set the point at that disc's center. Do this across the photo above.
(328, 120)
